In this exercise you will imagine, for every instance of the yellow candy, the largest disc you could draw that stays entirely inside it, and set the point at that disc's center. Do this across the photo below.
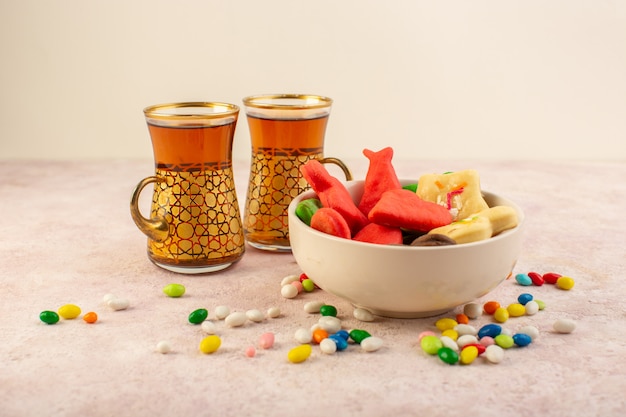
(451, 333)
(69, 311)
(516, 310)
(210, 344)
(299, 353)
(501, 315)
(565, 283)
(446, 323)
(468, 355)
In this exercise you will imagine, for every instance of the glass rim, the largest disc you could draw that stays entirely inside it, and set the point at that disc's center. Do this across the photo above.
(160, 111)
(271, 101)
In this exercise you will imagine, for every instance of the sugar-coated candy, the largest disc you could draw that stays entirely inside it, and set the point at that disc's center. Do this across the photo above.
(536, 278)
(532, 307)
(524, 298)
(236, 319)
(174, 290)
(480, 347)
(358, 335)
(266, 340)
(431, 344)
(516, 310)
(69, 311)
(451, 333)
(472, 310)
(328, 346)
(462, 329)
(210, 344)
(340, 341)
(523, 279)
(362, 314)
(424, 334)
(564, 326)
(448, 355)
(299, 354)
(250, 351)
(118, 304)
(490, 307)
(255, 315)
(468, 355)
(371, 344)
(343, 333)
(504, 341)
(494, 354)
(318, 335)
(208, 327)
(198, 316)
(522, 339)
(164, 347)
(565, 283)
(445, 323)
(298, 286)
(273, 312)
(462, 318)
(289, 291)
(531, 331)
(551, 277)
(328, 310)
(466, 339)
(491, 330)
(501, 315)
(49, 317)
(107, 297)
(486, 341)
(330, 324)
(540, 304)
(303, 335)
(313, 307)
(449, 343)
(308, 285)
(90, 317)
(289, 279)
(221, 312)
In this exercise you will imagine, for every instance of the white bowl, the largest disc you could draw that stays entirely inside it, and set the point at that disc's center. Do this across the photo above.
(404, 281)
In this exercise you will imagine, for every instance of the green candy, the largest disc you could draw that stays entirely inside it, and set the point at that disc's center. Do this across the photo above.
(198, 316)
(448, 355)
(359, 335)
(328, 310)
(411, 187)
(174, 290)
(431, 344)
(307, 208)
(504, 341)
(49, 317)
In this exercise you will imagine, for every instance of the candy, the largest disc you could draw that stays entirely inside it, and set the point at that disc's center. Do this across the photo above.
(266, 340)
(463, 329)
(236, 319)
(174, 290)
(522, 339)
(551, 277)
(108, 297)
(480, 347)
(307, 208)
(532, 307)
(330, 221)
(564, 326)
(451, 333)
(328, 346)
(208, 327)
(250, 352)
(486, 341)
(328, 310)
(462, 319)
(298, 285)
(501, 315)
(371, 344)
(255, 315)
(380, 177)
(536, 278)
(524, 298)
(466, 339)
(319, 335)
(289, 279)
(472, 310)
(468, 355)
(431, 344)
(69, 311)
(308, 285)
(491, 330)
(565, 283)
(494, 354)
(303, 335)
(49, 317)
(504, 341)
(299, 354)
(273, 312)
(342, 343)
(330, 324)
(358, 335)
(312, 307)
(515, 310)
(118, 304)
(490, 307)
(198, 316)
(531, 331)
(289, 291)
(448, 355)
(343, 334)
(449, 343)
(541, 304)
(221, 312)
(424, 334)
(379, 234)
(445, 323)
(523, 279)
(362, 314)
(210, 344)
(164, 347)
(90, 317)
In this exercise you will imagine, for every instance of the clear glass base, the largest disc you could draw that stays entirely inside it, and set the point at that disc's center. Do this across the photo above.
(192, 270)
(270, 248)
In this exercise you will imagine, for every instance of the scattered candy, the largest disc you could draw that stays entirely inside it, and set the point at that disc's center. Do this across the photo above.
(255, 315)
(90, 317)
(536, 278)
(210, 344)
(491, 330)
(49, 317)
(523, 279)
(342, 343)
(318, 335)
(163, 347)
(303, 335)
(299, 353)
(236, 319)
(289, 279)
(451, 333)
(69, 311)
(198, 316)
(540, 304)
(532, 307)
(472, 310)
(174, 290)
(328, 310)
(359, 335)
(531, 331)
(524, 298)
(490, 307)
(250, 352)
(289, 291)
(445, 323)
(463, 329)
(362, 314)
(221, 312)
(466, 339)
(431, 344)
(308, 285)
(468, 355)
(448, 355)
(565, 283)
(266, 340)
(449, 343)
(424, 334)
(522, 339)
(107, 297)
(313, 307)
(504, 341)
(208, 327)
(564, 326)
(551, 277)
(330, 324)
(516, 310)
(371, 344)
(494, 354)
(273, 312)
(118, 304)
(462, 318)
(328, 346)
(501, 315)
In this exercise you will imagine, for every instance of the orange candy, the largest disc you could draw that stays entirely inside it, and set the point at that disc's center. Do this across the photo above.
(90, 317)
(490, 307)
(319, 335)
(462, 319)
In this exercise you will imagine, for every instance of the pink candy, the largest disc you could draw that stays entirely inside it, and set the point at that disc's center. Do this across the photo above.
(266, 340)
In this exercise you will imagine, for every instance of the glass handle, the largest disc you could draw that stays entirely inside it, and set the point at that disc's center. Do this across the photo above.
(157, 228)
(340, 164)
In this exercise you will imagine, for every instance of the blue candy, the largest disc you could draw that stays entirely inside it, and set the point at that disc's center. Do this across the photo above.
(523, 279)
(343, 333)
(522, 339)
(491, 330)
(341, 343)
(524, 298)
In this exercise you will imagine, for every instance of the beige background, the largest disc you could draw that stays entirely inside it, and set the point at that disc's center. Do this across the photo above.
(433, 79)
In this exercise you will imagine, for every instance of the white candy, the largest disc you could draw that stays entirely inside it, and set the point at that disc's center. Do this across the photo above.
(531, 308)
(371, 344)
(107, 298)
(208, 327)
(531, 331)
(236, 319)
(118, 303)
(449, 343)
(506, 331)
(303, 335)
(163, 347)
(330, 324)
(313, 307)
(328, 346)
(289, 279)
(289, 291)
(463, 329)
(466, 339)
(494, 354)
(221, 312)
(362, 314)
(255, 315)
(273, 312)
(472, 310)
(564, 326)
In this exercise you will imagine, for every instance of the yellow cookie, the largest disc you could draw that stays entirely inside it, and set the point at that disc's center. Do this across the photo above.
(481, 226)
(459, 192)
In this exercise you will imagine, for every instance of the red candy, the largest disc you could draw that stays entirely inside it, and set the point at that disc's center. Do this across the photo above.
(480, 347)
(380, 177)
(536, 278)
(551, 277)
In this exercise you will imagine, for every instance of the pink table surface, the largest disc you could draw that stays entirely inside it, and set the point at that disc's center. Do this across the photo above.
(66, 236)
